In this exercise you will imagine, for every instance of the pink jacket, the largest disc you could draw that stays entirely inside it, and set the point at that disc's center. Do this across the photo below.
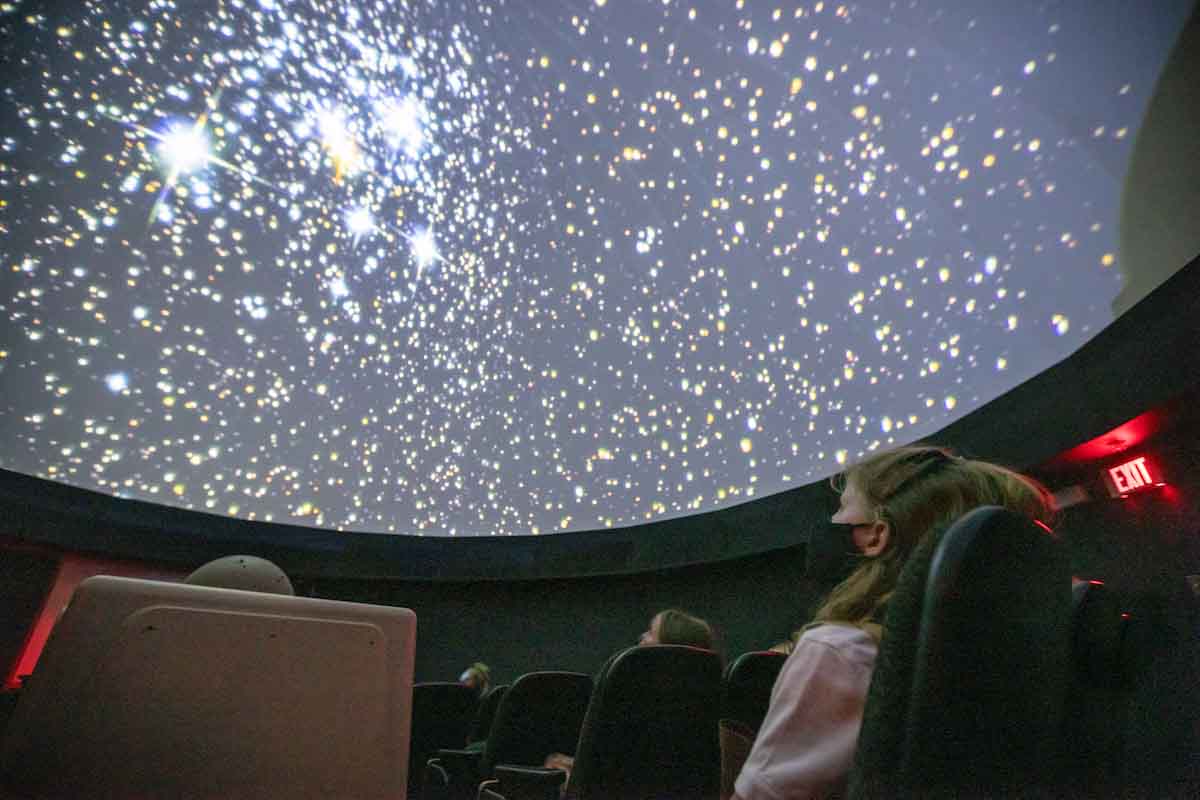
(806, 744)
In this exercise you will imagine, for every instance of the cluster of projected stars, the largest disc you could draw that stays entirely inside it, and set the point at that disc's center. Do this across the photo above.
(522, 267)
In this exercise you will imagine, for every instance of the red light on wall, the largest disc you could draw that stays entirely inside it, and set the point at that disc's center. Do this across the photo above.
(1123, 437)
(1131, 476)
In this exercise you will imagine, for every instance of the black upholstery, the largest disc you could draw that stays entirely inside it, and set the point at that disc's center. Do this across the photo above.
(1100, 690)
(541, 714)
(1160, 749)
(969, 687)
(482, 723)
(651, 730)
(749, 680)
(1132, 727)
(441, 716)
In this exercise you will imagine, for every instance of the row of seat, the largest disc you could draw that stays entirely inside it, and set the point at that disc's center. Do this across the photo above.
(647, 726)
(996, 679)
(542, 715)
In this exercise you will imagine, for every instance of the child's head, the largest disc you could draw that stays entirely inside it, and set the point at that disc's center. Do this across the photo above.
(899, 496)
(916, 489)
(673, 626)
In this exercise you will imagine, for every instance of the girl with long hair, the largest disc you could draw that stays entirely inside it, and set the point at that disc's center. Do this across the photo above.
(889, 503)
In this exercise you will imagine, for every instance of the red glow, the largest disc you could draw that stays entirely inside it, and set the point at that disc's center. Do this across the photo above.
(1120, 438)
(35, 640)
(71, 571)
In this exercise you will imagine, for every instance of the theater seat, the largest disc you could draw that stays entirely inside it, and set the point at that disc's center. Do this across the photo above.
(1100, 690)
(970, 683)
(748, 682)
(482, 724)
(1160, 747)
(746, 694)
(442, 712)
(737, 740)
(650, 732)
(541, 714)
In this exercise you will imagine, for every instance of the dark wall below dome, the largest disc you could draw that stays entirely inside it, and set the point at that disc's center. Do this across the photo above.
(575, 624)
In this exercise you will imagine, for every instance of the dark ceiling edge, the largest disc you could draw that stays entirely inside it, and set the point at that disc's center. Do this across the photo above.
(1143, 359)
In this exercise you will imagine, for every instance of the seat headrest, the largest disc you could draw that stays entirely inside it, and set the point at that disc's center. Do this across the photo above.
(248, 573)
(1098, 635)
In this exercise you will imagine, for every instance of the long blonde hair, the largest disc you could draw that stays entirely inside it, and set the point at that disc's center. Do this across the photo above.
(916, 490)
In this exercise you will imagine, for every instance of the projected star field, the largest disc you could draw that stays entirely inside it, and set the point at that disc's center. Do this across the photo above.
(470, 268)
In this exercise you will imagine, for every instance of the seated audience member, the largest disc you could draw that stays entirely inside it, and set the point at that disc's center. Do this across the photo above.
(889, 502)
(670, 626)
(248, 573)
(478, 676)
(673, 626)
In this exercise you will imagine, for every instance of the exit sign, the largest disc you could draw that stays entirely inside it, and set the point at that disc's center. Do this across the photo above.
(1131, 476)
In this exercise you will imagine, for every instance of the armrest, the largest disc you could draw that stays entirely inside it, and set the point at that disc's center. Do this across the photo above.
(529, 783)
(458, 767)
(488, 790)
(458, 759)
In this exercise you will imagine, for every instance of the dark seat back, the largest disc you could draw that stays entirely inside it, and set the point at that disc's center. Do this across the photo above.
(1100, 690)
(1160, 749)
(542, 714)
(488, 704)
(747, 687)
(441, 717)
(969, 687)
(651, 729)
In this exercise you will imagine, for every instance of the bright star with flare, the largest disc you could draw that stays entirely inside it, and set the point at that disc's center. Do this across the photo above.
(361, 222)
(424, 248)
(185, 148)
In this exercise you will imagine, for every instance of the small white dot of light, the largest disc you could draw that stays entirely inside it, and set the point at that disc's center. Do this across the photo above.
(117, 382)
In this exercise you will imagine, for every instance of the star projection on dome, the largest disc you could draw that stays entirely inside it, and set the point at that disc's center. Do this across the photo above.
(486, 267)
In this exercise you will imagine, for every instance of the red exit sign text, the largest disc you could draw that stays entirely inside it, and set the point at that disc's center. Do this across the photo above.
(1129, 477)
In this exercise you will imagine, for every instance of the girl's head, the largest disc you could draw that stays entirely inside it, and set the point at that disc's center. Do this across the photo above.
(894, 498)
(677, 627)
